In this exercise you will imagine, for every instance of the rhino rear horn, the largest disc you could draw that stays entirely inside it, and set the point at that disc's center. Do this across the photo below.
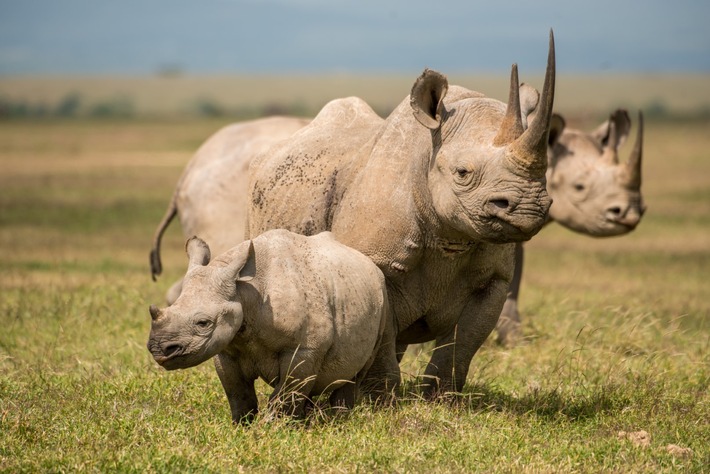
(632, 172)
(198, 252)
(512, 125)
(427, 98)
(530, 149)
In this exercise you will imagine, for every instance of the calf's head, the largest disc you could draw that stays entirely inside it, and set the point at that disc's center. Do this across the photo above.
(207, 315)
(486, 177)
(593, 192)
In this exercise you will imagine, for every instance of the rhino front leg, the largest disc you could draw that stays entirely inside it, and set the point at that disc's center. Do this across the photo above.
(238, 388)
(508, 327)
(448, 367)
(297, 374)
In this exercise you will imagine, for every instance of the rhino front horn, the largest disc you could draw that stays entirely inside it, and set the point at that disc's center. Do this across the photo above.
(530, 149)
(154, 312)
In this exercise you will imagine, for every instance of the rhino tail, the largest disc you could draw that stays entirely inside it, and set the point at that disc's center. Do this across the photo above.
(156, 266)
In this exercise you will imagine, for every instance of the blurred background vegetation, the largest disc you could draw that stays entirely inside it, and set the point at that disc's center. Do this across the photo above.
(169, 95)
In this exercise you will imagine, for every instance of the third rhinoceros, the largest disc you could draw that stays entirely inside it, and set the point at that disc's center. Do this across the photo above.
(592, 192)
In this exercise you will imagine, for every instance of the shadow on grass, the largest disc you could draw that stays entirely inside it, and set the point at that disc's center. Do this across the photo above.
(543, 403)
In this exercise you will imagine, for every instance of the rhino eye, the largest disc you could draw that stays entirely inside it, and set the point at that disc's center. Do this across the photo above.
(203, 323)
(462, 172)
(579, 187)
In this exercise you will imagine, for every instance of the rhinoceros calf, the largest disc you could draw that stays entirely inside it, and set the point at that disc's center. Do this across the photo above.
(592, 192)
(303, 313)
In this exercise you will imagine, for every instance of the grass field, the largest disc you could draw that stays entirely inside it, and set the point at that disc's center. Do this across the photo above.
(618, 334)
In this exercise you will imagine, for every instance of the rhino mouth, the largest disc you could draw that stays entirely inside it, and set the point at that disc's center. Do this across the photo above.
(505, 229)
(170, 357)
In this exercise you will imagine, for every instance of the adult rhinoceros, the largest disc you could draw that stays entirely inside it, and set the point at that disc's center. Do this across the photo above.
(436, 195)
(592, 192)
(210, 196)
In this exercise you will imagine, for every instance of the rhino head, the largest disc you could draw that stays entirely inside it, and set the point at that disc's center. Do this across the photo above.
(593, 192)
(207, 315)
(486, 177)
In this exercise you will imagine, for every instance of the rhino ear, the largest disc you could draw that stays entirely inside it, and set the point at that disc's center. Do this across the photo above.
(427, 98)
(529, 98)
(622, 123)
(243, 266)
(557, 126)
(198, 252)
(621, 126)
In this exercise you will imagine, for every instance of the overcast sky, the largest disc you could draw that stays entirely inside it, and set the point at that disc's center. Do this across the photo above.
(368, 36)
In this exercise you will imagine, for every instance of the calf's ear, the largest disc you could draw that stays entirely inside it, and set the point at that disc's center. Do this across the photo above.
(243, 267)
(427, 98)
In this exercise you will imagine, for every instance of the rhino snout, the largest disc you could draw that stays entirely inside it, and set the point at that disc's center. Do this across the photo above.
(164, 351)
(627, 215)
(526, 216)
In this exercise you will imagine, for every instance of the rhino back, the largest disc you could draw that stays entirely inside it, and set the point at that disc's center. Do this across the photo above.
(297, 184)
(211, 194)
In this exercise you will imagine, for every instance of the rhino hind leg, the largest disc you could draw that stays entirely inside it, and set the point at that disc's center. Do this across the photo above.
(508, 328)
(382, 379)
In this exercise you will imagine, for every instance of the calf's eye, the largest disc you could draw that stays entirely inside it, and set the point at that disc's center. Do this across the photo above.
(203, 323)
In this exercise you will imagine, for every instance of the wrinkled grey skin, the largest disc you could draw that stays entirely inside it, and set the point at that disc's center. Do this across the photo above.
(214, 181)
(303, 313)
(436, 195)
(593, 192)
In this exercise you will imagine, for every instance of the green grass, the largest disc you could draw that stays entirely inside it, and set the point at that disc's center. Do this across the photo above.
(617, 334)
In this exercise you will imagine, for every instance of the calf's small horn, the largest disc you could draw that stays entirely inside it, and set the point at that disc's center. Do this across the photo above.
(154, 312)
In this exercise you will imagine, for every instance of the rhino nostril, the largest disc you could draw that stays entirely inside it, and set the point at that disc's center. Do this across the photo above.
(171, 350)
(615, 211)
(499, 203)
